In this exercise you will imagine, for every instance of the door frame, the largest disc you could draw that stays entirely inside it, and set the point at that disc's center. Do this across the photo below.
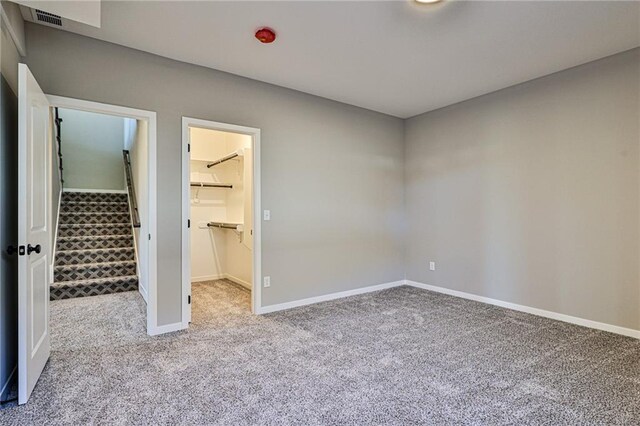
(150, 118)
(256, 293)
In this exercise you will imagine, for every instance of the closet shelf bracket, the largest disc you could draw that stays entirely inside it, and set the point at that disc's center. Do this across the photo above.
(235, 226)
(238, 153)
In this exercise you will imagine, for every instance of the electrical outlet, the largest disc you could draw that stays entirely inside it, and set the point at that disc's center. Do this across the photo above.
(267, 215)
(266, 282)
(432, 266)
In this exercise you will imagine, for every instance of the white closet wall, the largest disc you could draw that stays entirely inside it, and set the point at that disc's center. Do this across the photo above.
(239, 251)
(220, 253)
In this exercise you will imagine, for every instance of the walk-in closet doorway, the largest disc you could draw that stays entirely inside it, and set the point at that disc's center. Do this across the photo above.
(221, 248)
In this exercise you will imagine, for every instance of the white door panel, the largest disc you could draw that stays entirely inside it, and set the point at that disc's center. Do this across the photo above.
(39, 297)
(34, 233)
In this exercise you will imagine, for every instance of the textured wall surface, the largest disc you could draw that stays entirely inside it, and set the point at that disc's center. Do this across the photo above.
(331, 173)
(530, 195)
(92, 147)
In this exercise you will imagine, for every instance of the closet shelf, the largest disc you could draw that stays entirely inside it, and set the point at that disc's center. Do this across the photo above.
(238, 153)
(235, 226)
(211, 185)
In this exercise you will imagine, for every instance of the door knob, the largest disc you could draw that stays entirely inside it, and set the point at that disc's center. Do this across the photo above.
(31, 249)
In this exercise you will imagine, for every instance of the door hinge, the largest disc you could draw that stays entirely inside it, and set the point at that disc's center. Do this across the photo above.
(189, 299)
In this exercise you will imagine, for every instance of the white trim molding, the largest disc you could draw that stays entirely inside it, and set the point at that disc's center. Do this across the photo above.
(529, 310)
(238, 281)
(143, 291)
(168, 328)
(150, 117)
(508, 305)
(205, 278)
(327, 297)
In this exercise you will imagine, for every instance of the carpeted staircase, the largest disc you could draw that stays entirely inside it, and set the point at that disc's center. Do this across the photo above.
(95, 253)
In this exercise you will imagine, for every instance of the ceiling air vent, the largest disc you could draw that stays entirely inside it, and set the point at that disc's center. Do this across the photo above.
(48, 18)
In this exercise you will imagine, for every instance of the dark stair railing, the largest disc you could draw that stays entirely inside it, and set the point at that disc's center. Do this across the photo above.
(133, 204)
(57, 122)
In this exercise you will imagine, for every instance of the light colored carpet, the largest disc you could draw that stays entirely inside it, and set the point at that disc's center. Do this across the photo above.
(399, 356)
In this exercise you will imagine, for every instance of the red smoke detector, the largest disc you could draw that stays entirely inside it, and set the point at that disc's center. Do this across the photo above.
(266, 35)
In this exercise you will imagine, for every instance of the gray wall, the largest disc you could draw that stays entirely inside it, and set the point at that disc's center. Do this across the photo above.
(331, 173)
(92, 147)
(530, 195)
(8, 213)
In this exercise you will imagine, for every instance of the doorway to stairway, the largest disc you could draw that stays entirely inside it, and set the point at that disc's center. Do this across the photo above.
(94, 252)
(103, 192)
(39, 206)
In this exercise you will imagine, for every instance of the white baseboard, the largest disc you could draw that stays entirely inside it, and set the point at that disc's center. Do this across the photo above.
(237, 280)
(102, 191)
(221, 277)
(5, 386)
(207, 278)
(168, 328)
(142, 291)
(327, 297)
(529, 310)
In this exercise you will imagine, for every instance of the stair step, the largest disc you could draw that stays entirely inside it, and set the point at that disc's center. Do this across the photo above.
(89, 271)
(101, 197)
(93, 206)
(92, 287)
(94, 249)
(78, 257)
(79, 230)
(94, 242)
(93, 218)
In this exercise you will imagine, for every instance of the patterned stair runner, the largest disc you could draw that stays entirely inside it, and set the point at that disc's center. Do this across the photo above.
(94, 253)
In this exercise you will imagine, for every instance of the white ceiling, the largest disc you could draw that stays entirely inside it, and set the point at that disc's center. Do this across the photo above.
(396, 57)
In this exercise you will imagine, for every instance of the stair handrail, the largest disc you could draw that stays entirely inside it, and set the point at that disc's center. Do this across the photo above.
(133, 203)
(57, 122)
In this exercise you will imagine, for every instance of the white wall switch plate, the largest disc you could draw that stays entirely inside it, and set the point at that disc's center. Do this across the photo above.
(266, 282)
(432, 266)
(267, 215)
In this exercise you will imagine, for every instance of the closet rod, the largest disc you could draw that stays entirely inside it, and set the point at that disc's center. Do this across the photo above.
(223, 159)
(222, 225)
(211, 185)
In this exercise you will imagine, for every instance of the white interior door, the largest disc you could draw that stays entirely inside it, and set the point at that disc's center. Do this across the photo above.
(34, 233)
